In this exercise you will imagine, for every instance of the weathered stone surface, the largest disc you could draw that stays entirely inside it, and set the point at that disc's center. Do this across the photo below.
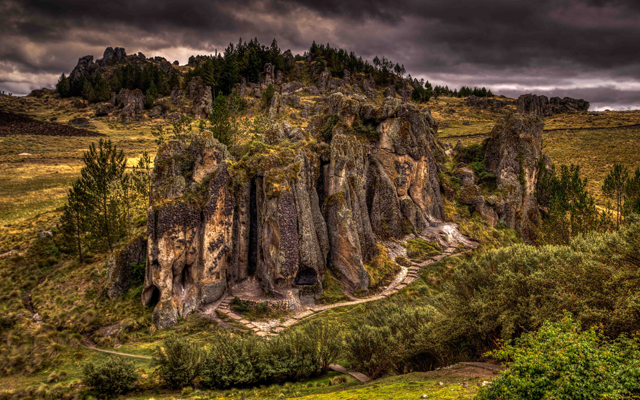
(390, 91)
(201, 96)
(485, 103)
(372, 176)
(513, 154)
(120, 266)
(131, 103)
(544, 107)
(323, 80)
(104, 109)
(312, 90)
(176, 95)
(190, 229)
(291, 87)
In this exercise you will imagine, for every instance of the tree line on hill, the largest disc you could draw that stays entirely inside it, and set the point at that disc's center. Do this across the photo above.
(221, 71)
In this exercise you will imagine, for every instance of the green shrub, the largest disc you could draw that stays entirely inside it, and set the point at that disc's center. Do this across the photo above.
(404, 261)
(291, 356)
(501, 293)
(394, 337)
(115, 376)
(179, 361)
(420, 249)
(471, 153)
(381, 269)
(561, 361)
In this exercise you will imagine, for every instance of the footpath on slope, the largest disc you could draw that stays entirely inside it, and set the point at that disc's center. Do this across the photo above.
(404, 278)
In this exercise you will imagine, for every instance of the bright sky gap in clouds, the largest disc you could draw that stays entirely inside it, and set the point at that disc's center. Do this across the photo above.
(576, 48)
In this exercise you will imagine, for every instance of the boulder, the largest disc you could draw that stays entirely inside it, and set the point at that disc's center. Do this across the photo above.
(312, 90)
(291, 87)
(201, 96)
(486, 103)
(156, 112)
(269, 74)
(369, 86)
(390, 91)
(104, 109)
(131, 103)
(323, 80)
(176, 95)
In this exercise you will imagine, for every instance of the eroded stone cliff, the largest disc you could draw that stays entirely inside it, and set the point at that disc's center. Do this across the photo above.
(286, 210)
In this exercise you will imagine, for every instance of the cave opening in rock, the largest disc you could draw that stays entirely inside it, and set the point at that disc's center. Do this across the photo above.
(306, 276)
(253, 229)
(151, 296)
(185, 279)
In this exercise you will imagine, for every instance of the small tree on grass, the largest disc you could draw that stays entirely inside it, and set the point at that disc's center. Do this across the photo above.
(103, 170)
(114, 377)
(179, 361)
(615, 188)
(74, 223)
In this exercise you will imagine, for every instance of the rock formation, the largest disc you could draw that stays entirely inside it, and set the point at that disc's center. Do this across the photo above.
(131, 103)
(282, 217)
(485, 103)
(201, 96)
(513, 154)
(544, 107)
(120, 267)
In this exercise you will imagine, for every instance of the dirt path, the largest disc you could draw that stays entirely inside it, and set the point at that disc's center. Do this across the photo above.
(116, 353)
(404, 278)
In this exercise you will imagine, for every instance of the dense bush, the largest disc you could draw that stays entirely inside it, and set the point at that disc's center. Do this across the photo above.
(232, 360)
(115, 376)
(393, 337)
(179, 361)
(561, 361)
(291, 356)
(502, 293)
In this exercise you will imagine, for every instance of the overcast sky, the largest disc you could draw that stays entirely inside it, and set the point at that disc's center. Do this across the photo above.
(577, 48)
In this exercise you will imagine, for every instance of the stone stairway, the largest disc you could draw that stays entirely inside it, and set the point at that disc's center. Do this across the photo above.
(411, 274)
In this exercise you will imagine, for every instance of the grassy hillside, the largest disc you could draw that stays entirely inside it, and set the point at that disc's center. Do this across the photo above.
(36, 278)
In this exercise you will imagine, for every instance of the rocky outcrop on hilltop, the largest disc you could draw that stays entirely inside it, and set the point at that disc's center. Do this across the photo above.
(544, 107)
(487, 103)
(289, 209)
(201, 96)
(130, 103)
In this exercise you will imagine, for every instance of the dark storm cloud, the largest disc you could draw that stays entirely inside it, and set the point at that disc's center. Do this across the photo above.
(515, 46)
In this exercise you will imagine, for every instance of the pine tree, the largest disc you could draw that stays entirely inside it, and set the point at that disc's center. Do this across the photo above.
(63, 87)
(221, 128)
(615, 187)
(208, 74)
(74, 223)
(151, 95)
(103, 170)
(633, 194)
